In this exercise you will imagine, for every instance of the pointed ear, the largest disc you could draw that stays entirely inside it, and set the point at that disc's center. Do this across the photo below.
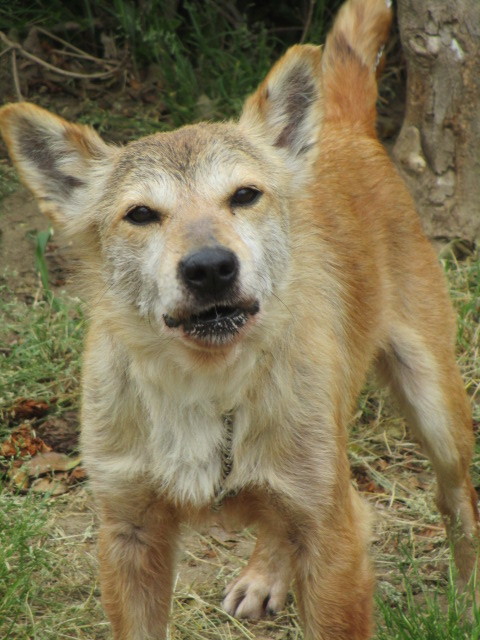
(55, 159)
(286, 109)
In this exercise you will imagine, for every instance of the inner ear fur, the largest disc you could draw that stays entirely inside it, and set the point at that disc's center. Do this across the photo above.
(54, 158)
(286, 108)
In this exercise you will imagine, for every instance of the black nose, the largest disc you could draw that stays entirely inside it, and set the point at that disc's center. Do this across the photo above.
(210, 271)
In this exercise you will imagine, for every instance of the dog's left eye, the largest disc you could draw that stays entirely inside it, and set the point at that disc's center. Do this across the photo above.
(142, 215)
(245, 196)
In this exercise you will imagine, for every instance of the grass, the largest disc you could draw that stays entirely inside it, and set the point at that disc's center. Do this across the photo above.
(22, 558)
(48, 587)
(40, 352)
(444, 614)
(464, 278)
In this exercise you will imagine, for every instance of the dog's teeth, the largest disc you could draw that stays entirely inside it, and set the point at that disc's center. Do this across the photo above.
(218, 330)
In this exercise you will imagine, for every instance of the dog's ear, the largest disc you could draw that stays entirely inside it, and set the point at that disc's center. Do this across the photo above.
(285, 110)
(55, 159)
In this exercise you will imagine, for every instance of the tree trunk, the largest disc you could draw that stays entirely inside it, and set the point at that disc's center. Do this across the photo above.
(438, 148)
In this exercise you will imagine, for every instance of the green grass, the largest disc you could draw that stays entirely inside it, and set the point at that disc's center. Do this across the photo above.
(464, 278)
(24, 562)
(40, 355)
(426, 612)
(48, 588)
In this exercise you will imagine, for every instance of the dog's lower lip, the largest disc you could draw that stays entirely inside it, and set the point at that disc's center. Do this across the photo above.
(216, 322)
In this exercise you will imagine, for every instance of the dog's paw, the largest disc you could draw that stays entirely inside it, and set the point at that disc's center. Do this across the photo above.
(253, 595)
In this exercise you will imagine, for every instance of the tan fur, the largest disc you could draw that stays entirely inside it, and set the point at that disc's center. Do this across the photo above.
(334, 255)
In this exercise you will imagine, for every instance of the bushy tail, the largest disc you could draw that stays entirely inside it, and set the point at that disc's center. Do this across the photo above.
(351, 57)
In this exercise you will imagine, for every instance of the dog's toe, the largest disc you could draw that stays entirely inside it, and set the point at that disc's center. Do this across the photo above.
(254, 596)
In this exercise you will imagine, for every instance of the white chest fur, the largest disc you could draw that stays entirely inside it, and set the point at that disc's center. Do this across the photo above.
(164, 424)
(184, 446)
(187, 434)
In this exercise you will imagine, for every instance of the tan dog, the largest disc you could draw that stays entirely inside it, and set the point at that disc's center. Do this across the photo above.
(242, 278)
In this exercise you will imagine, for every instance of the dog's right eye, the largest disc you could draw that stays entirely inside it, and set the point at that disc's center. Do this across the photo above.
(245, 196)
(142, 215)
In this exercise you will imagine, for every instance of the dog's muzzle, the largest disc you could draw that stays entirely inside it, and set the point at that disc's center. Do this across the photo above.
(217, 312)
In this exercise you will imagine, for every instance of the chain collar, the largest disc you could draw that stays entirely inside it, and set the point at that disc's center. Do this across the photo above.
(226, 463)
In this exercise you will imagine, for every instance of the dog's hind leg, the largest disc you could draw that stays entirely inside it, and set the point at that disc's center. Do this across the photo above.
(137, 543)
(421, 370)
(262, 586)
(324, 550)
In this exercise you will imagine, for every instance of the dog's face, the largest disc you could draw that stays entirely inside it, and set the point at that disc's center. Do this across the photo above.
(194, 232)
(189, 228)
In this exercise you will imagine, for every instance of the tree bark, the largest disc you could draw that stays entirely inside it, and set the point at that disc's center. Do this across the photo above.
(438, 148)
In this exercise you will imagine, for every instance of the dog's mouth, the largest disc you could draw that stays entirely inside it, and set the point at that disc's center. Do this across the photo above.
(216, 325)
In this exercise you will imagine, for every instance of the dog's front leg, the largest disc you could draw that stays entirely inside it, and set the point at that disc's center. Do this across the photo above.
(137, 543)
(333, 578)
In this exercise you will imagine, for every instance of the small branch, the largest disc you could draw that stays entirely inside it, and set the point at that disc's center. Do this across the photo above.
(82, 54)
(47, 65)
(16, 80)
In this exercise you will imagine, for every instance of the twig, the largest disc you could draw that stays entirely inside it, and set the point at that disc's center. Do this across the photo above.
(82, 56)
(81, 53)
(2, 53)
(308, 21)
(47, 65)
(16, 80)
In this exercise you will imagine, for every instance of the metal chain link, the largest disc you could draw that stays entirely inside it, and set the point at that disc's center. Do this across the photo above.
(226, 463)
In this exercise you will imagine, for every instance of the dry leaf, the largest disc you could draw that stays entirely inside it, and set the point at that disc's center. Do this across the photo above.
(79, 474)
(18, 478)
(51, 461)
(25, 409)
(22, 443)
(55, 485)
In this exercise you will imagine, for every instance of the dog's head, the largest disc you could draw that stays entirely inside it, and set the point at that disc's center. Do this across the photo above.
(189, 228)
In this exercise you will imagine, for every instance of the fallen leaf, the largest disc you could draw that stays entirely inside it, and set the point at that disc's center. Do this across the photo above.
(370, 487)
(54, 485)
(25, 409)
(18, 478)
(22, 443)
(79, 474)
(431, 532)
(381, 464)
(44, 463)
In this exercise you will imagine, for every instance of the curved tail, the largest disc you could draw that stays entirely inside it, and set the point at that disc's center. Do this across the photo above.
(352, 54)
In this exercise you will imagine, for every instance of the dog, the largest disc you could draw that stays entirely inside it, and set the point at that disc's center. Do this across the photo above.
(241, 279)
